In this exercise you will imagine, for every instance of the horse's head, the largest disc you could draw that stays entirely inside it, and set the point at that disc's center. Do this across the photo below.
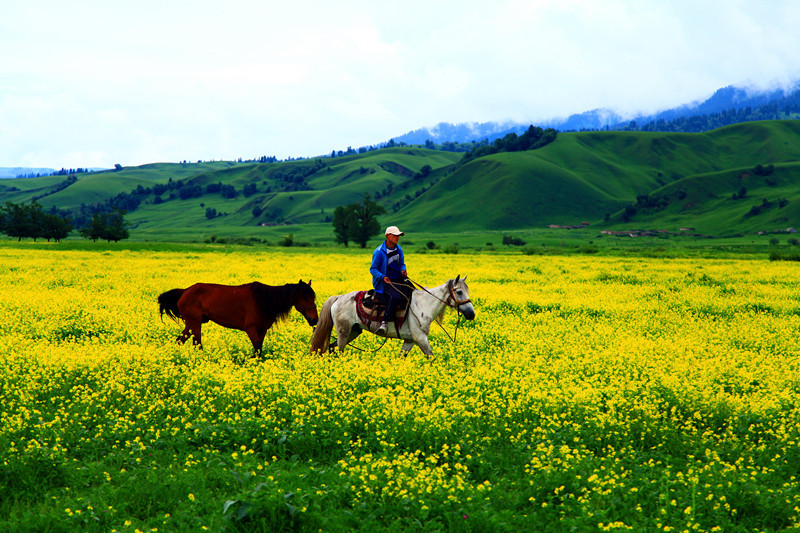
(458, 297)
(305, 302)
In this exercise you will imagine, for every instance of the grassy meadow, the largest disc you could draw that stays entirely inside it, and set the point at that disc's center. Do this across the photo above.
(590, 393)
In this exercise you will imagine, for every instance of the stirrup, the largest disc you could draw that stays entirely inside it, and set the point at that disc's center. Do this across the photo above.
(382, 328)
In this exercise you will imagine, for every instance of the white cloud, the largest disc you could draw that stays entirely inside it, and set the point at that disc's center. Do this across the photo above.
(131, 83)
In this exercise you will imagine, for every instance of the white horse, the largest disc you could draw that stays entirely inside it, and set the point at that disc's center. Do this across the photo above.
(426, 306)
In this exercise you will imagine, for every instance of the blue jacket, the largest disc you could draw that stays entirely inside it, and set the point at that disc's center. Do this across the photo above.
(380, 260)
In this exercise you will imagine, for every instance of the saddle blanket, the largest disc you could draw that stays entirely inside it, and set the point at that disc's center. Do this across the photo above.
(370, 310)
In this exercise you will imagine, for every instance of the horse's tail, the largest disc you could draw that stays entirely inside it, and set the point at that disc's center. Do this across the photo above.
(321, 339)
(168, 303)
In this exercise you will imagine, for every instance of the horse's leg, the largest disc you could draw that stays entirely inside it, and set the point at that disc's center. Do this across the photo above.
(355, 331)
(342, 339)
(256, 335)
(345, 321)
(185, 334)
(422, 342)
(407, 345)
(193, 329)
(192, 320)
(346, 332)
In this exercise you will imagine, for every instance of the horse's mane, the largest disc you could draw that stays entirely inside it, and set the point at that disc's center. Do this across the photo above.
(440, 317)
(278, 301)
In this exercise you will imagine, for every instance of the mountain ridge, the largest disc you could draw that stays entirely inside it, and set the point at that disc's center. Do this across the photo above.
(15, 172)
(723, 99)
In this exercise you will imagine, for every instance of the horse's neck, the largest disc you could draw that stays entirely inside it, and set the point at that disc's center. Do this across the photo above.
(274, 299)
(437, 297)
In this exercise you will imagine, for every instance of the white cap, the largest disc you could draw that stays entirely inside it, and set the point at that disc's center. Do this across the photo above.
(393, 230)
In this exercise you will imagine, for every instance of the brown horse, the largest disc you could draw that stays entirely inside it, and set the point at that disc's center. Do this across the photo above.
(252, 308)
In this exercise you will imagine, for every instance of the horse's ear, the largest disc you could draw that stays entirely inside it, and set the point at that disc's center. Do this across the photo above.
(458, 277)
(309, 283)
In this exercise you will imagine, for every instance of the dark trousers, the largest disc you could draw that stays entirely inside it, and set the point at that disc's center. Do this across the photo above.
(396, 294)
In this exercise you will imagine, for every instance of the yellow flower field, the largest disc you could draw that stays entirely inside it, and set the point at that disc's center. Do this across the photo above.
(590, 393)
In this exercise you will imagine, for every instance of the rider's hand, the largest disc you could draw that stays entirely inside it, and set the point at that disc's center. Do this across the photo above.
(386, 279)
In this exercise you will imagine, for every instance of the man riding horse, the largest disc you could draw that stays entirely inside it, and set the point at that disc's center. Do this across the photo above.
(389, 275)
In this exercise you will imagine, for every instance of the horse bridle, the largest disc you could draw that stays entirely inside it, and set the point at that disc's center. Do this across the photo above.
(304, 309)
(458, 303)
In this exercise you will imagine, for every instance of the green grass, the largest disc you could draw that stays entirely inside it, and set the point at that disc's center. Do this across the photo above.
(707, 201)
(537, 242)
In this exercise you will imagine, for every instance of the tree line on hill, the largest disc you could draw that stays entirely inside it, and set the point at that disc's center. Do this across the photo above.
(62, 172)
(710, 121)
(31, 221)
(533, 138)
(786, 107)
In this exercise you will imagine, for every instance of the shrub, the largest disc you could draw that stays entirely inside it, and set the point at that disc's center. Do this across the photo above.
(450, 249)
(778, 256)
(530, 250)
(509, 240)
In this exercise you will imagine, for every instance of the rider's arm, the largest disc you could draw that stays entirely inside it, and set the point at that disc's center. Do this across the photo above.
(377, 268)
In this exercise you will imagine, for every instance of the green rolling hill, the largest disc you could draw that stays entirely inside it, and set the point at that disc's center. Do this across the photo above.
(734, 180)
(594, 176)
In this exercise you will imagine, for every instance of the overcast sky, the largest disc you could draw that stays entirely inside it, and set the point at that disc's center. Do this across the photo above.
(92, 83)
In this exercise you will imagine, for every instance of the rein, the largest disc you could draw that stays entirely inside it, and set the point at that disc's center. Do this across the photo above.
(446, 302)
(350, 344)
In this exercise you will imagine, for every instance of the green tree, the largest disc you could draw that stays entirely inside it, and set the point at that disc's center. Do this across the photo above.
(229, 191)
(116, 226)
(108, 226)
(423, 172)
(343, 224)
(366, 220)
(357, 222)
(94, 230)
(30, 221)
(56, 227)
(17, 221)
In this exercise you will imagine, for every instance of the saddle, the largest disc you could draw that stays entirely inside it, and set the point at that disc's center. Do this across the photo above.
(371, 309)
